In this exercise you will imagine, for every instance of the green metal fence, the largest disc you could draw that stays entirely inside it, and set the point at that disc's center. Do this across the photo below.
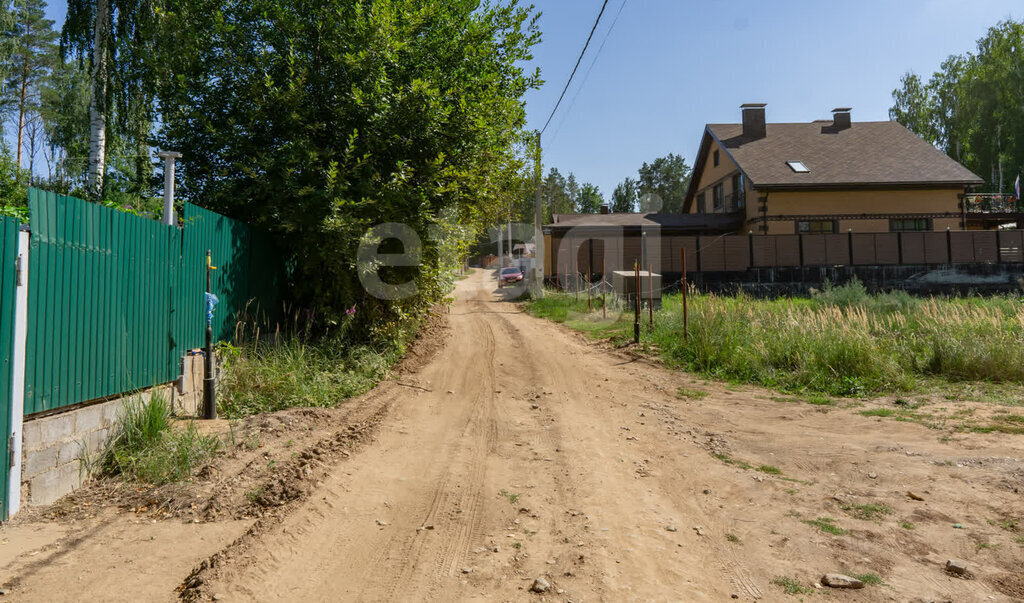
(248, 279)
(8, 284)
(115, 300)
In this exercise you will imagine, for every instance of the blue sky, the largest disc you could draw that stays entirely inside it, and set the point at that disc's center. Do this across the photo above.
(670, 66)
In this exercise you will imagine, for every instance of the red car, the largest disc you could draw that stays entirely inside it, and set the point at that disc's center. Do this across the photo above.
(510, 275)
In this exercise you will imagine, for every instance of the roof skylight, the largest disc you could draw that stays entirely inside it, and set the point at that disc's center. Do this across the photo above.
(798, 167)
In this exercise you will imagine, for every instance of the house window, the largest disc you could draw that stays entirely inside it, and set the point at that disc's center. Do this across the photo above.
(910, 225)
(717, 197)
(716, 158)
(738, 194)
(816, 227)
(701, 207)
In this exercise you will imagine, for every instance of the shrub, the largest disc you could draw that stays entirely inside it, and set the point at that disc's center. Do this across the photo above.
(147, 448)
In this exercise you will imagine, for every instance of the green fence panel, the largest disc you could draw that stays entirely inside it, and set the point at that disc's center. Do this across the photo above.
(100, 302)
(8, 285)
(247, 281)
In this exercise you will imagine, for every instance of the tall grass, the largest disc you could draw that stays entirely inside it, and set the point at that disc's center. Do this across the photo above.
(147, 448)
(267, 377)
(842, 341)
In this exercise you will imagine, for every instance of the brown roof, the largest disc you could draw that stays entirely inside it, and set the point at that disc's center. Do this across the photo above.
(867, 154)
(872, 152)
(664, 221)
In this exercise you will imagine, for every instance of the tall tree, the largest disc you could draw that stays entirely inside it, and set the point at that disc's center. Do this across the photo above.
(322, 118)
(663, 183)
(589, 199)
(624, 197)
(33, 54)
(120, 39)
(556, 192)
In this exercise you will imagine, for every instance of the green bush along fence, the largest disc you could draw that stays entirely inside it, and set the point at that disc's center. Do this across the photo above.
(115, 300)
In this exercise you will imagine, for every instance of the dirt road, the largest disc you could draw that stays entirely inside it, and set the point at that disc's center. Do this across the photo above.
(523, 451)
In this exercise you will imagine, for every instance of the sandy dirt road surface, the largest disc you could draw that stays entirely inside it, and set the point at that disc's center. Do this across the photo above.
(521, 450)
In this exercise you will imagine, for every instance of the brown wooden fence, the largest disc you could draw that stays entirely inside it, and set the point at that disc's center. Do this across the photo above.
(737, 253)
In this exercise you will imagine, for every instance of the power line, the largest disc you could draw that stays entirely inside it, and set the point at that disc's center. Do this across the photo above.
(582, 52)
(586, 75)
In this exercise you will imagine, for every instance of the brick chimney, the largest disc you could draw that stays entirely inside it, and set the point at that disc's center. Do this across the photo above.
(753, 121)
(604, 208)
(840, 118)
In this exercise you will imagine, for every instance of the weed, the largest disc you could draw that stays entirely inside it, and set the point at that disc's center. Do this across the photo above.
(146, 448)
(253, 496)
(820, 400)
(826, 524)
(725, 458)
(878, 412)
(906, 525)
(842, 342)
(870, 579)
(987, 545)
(791, 491)
(791, 586)
(770, 469)
(252, 441)
(517, 545)
(1019, 540)
(271, 464)
(267, 376)
(691, 393)
(868, 512)
(289, 443)
(732, 538)
(512, 498)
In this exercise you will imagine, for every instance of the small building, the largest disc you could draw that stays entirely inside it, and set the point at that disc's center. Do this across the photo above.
(828, 177)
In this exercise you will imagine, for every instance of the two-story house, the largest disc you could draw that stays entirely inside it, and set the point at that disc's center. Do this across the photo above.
(826, 177)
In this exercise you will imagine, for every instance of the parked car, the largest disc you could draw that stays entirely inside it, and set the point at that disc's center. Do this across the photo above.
(509, 275)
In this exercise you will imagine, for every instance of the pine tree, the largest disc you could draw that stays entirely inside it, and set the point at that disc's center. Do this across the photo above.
(34, 49)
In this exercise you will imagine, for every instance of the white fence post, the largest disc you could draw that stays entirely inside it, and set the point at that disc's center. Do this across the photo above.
(18, 380)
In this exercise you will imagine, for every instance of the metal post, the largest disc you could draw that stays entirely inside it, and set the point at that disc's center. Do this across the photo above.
(650, 294)
(169, 216)
(604, 307)
(588, 293)
(501, 254)
(209, 382)
(683, 251)
(636, 304)
(538, 235)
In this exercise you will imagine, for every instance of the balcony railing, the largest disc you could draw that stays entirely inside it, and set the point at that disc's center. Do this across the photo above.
(992, 203)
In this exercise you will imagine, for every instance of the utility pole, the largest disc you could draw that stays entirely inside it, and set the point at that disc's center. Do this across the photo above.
(538, 234)
(170, 218)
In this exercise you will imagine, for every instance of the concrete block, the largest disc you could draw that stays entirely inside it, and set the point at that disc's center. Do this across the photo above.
(88, 418)
(39, 461)
(112, 411)
(48, 487)
(69, 452)
(32, 435)
(58, 427)
(97, 440)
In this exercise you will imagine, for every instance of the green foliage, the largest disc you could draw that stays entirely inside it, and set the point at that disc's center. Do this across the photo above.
(146, 447)
(625, 196)
(267, 377)
(827, 525)
(512, 498)
(870, 579)
(970, 107)
(321, 119)
(791, 586)
(663, 183)
(869, 511)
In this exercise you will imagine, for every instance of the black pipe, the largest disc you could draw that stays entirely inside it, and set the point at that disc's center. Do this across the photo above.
(209, 382)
